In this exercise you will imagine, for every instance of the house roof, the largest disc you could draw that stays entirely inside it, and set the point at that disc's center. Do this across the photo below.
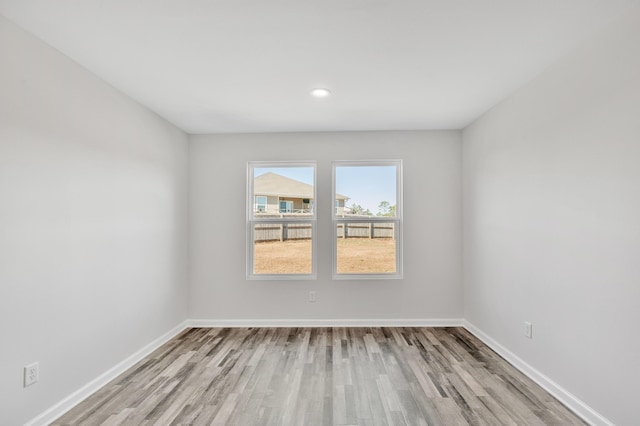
(277, 185)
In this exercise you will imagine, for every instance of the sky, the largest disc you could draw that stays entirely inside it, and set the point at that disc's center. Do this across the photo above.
(367, 186)
(364, 185)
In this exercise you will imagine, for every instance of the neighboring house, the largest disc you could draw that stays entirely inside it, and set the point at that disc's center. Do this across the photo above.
(276, 194)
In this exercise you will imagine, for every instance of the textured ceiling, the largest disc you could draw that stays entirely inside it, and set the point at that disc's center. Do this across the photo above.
(222, 66)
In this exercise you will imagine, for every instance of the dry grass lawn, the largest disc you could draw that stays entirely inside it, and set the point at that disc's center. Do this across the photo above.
(286, 257)
(355, 255)
(366, 256)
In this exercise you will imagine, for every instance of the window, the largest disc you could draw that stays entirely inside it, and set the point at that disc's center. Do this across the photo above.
(367, 219)
(286, 206)
(261, 204)
(281, 220)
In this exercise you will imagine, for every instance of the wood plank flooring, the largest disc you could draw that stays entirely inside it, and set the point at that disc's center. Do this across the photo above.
(322, 376)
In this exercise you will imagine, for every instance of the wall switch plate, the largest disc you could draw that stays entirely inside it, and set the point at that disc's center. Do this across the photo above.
(528, 330)
(31, 374)
(312, 296)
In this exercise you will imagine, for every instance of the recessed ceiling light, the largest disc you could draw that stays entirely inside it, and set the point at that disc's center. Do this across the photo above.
(320, 93)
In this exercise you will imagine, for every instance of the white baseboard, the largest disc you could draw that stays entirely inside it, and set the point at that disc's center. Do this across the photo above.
(216, 323)
(567, 398)
(78, 396)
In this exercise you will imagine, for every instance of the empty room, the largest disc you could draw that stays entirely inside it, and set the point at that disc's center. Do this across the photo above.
(355, 212)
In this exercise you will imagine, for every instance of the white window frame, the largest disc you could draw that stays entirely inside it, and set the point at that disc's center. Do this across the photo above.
(252, 220)
(397, 220)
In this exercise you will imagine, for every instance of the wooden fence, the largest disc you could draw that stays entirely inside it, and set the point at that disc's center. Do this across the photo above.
(366, 230)
(301, 231)
(281, 231)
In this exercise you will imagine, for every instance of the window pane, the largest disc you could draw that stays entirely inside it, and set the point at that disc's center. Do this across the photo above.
(261, 204)
(366, 191)
(284, 190)
(366, 248)
(282, 248)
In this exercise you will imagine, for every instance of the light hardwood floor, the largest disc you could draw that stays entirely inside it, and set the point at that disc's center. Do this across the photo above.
(322, 376)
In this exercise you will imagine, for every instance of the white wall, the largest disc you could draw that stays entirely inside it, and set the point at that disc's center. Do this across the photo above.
(432, 284)
(551, 196)
(92, 225)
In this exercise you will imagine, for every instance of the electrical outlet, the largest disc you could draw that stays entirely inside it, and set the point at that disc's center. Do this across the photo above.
(31, 374)
(312, 296)
(528, 330)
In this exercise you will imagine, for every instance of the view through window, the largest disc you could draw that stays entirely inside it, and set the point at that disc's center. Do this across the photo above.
(281, 220)
(366, 211)
(367, 219)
